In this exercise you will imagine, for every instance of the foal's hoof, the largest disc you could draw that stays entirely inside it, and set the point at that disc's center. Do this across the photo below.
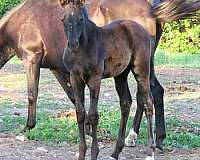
(130, 139)
(107, 158)
(150, 158)
(129, 143)
(88, 130)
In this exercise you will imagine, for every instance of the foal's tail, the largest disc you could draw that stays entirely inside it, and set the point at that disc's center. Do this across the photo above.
(171, 10)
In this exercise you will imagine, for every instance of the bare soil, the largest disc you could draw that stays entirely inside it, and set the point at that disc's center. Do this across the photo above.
(31, 150)
(182, 99)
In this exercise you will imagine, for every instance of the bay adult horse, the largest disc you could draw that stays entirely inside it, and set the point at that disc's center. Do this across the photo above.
(151, 15)
(33, 31)
(94, 53)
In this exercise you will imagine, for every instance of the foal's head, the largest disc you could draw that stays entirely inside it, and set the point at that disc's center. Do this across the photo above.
(74, 21)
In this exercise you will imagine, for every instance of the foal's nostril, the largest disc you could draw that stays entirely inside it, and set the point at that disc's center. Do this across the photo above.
(77, 44)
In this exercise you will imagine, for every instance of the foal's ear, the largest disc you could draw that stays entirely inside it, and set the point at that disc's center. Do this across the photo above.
(63, 2)
(80, 2)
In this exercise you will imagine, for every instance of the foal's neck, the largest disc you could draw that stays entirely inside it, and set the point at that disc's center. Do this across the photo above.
(89, 35)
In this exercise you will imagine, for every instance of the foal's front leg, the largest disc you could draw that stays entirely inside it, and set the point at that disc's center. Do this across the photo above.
(78, 87)
(93, 117)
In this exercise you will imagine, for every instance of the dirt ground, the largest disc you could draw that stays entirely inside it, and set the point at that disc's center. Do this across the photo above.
(182, 99)
(31, 150)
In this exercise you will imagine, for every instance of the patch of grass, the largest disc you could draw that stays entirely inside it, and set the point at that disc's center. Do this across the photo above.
(177, 60)
(13, 81)
(13, 123)
(179, 133)
(15, 60)
(182, 133)
(7, 102)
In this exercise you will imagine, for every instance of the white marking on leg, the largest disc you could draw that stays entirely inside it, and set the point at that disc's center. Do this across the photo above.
(130, 139)
(150, 157)
(68, 85)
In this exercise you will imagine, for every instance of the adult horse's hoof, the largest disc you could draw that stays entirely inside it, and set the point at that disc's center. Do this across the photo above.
(114, 156)
(25, 130)
(130, 139)
(159, 145)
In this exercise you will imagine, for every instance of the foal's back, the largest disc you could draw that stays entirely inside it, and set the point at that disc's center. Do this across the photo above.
(125, 42)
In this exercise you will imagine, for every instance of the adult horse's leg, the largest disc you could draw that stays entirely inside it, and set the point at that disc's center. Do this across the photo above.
(32, 63)
(93, 117)
(158, 95)
(78, 88)
(123, 91)
(64, 80)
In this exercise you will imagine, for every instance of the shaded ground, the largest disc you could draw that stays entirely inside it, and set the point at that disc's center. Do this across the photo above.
(182, 99)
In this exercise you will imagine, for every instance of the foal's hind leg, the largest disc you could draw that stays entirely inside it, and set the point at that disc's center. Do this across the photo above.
(141, 70)
(122, 88)
(132, 136)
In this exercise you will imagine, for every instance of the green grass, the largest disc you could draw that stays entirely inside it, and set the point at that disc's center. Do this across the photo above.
(15, 60)
(177, 60)
(179, 133)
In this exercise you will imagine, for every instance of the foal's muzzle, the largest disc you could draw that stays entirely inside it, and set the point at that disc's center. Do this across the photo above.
(74, 45)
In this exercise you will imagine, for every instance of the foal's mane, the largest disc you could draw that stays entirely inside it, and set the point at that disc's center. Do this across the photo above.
(9, 14)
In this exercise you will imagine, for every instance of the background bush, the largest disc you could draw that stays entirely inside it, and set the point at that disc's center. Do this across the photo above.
(7, 5)
(179, 37)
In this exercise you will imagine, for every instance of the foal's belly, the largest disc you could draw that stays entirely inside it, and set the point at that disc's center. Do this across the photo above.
(117, 61)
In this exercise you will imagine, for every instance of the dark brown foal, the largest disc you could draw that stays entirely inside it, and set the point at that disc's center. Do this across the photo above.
(93, 53)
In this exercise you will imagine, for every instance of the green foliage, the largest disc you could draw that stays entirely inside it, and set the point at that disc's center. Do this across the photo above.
(6, 5)
(181, 37)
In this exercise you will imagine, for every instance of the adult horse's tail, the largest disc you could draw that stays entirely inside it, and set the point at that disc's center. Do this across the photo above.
(171, 10)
